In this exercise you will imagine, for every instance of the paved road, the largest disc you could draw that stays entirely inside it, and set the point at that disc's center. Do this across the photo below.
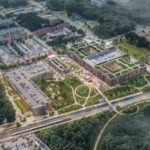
(72, 116)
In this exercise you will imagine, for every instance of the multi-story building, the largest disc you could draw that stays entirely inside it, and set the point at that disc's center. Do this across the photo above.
(111, 66)
(6, 22)
(8, 35)
(20, 80)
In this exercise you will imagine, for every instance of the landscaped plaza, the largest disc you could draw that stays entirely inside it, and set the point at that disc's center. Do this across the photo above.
(68, 94)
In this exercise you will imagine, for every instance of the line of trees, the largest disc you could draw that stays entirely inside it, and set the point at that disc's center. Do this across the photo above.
(139, 41)
(7, 113)
(31, 21)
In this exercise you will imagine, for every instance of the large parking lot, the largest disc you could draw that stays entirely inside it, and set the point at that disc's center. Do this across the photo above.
(20, 79)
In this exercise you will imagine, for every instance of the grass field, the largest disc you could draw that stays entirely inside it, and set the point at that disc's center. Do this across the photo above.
(141, 54)
(83, 91)
(21, 106)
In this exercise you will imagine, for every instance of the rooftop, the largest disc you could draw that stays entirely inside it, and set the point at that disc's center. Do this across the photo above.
(21, 77)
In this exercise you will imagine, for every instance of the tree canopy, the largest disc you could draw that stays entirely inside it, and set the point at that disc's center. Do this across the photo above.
(13, 3)
(79, 135)
(7, 113)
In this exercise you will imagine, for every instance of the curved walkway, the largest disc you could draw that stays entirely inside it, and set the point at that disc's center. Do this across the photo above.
(102, 131)
(108, 122)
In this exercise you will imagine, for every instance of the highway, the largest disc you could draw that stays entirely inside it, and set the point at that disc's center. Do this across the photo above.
(71, 116)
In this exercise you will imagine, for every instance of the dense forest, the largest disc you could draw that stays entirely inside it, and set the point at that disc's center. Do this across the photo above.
(140, 9)
(129, 132)
(31, 21)
(134, 39)
(79, 135)
(114, 19)
(12, 3)
(7, 113)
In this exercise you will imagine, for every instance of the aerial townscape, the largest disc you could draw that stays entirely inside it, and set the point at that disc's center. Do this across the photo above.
(74, 74)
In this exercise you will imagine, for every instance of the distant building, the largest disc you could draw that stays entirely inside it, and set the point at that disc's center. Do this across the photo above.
(8, 35)
(45, 30)
(6, 22)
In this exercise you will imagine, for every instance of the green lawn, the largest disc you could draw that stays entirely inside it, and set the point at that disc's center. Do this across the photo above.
(73, 81)
(93, 100)
(141, 54)
(83, 91)
(21, 106)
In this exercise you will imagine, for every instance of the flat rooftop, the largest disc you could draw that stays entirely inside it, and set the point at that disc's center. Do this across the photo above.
(31, 47)
(103, 57)
(21, 79)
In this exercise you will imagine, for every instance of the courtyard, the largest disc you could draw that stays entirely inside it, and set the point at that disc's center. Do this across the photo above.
(69, 93)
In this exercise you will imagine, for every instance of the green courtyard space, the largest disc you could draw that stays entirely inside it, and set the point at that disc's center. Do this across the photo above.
(118, 67)
(141, 54)
(59, 92)
(69, 94)
(59, 64)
